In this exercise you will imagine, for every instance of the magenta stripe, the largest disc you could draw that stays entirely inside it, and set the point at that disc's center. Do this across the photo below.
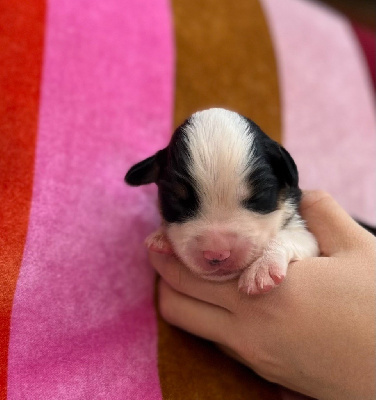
(83, 323)
(328, 103)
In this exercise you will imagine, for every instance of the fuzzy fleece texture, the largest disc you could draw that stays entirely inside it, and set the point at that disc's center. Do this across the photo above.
(89, 88)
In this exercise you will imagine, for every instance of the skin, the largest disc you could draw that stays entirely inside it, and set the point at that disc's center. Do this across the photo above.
(315, 333)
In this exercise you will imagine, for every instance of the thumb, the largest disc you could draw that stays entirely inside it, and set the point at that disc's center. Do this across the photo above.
(333, 228)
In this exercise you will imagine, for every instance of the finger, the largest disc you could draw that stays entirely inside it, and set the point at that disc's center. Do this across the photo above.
(333, 228)
(222, 294)
(192, 315)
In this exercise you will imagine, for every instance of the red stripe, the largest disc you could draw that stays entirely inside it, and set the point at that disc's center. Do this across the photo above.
(367, 41)
(21, 48)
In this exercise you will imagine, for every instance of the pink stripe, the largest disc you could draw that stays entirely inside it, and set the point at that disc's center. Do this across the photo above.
(328, 104)
(83, 323)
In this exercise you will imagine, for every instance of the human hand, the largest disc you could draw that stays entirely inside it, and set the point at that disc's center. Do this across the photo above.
(315, 333)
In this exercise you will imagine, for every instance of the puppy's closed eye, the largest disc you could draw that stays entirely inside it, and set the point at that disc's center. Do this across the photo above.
(262, 201)
(176, 189)
(178, 200)
(180, 191)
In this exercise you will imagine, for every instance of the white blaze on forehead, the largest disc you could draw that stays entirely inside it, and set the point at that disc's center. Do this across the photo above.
(220, 147)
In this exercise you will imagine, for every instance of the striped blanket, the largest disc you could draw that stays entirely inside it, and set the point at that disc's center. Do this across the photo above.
(87, 88)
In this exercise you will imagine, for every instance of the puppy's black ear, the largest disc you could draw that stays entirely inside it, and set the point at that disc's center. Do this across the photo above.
(283, 165)
(148, 170)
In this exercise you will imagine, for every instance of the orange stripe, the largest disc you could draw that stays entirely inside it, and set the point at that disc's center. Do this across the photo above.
(224, 58)
(21, 47)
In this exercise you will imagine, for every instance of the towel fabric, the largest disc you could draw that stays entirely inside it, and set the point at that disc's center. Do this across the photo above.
(87, 89)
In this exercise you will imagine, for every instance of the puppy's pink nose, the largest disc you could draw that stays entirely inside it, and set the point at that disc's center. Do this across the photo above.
(217, 256)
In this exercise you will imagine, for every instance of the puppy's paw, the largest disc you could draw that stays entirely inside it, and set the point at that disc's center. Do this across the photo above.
(263, 275)
(158, 242)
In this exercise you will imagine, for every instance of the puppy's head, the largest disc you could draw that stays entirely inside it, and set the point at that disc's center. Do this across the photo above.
(225, 190)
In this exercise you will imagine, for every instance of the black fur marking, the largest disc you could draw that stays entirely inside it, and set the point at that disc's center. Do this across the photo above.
(178, 198)
(275, 176)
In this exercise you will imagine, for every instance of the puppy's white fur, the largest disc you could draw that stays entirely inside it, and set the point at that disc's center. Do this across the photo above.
(220, 148)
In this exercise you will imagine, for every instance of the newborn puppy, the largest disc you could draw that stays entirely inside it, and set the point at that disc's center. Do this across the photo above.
(229, 199)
